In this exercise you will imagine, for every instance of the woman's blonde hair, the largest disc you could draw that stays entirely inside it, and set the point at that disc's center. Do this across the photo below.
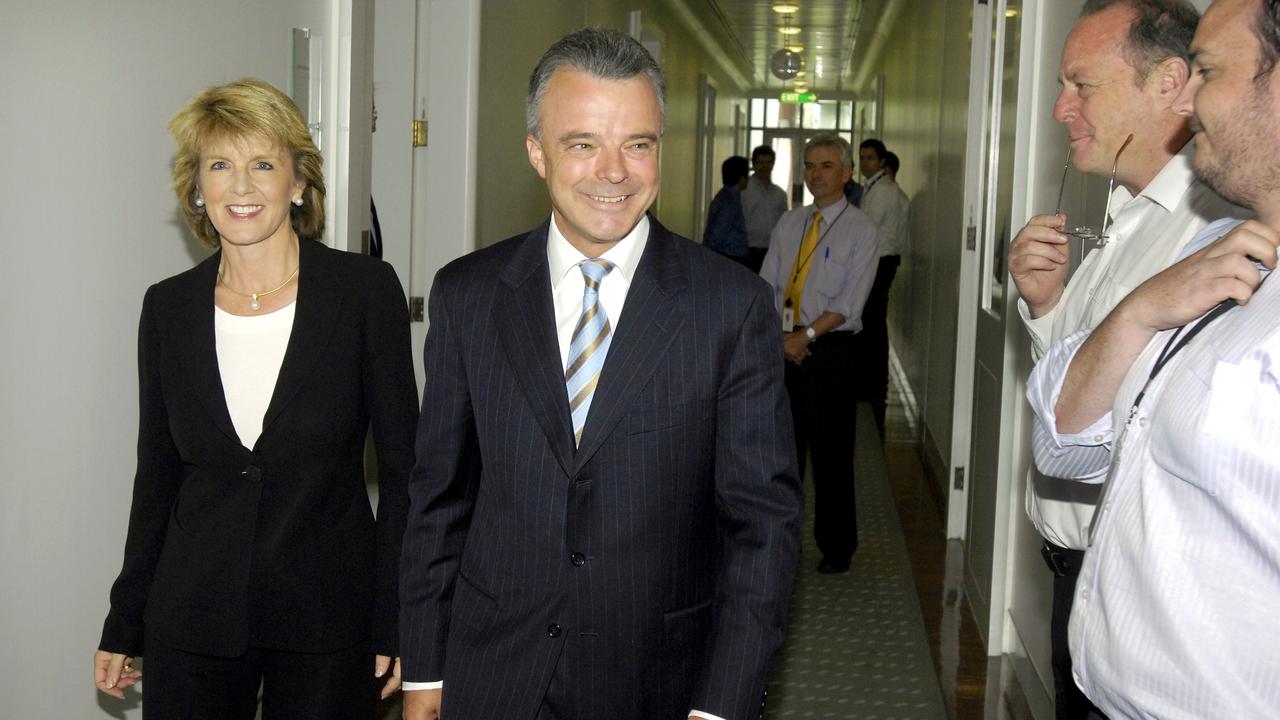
(244, 109)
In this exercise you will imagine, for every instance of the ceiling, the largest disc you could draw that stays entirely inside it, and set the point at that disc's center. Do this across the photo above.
(834, 38)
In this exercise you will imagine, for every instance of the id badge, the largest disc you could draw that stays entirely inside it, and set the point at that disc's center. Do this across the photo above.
(788, 319)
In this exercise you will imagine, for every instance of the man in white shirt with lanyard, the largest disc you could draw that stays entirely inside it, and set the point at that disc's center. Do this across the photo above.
(1123, 66)
(1175, 400)
(821, 263)
(885, 203)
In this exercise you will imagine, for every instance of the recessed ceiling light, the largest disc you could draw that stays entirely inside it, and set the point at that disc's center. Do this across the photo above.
(800, 74)
(795, 48)
(785, 8)
(789, 30)
(819, 47)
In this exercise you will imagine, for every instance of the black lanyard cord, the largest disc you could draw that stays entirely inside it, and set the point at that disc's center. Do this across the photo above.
(802, 264)
(1174, 345)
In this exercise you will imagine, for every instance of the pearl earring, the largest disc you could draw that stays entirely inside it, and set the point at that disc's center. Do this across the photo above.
(199, 202)
(298, 202)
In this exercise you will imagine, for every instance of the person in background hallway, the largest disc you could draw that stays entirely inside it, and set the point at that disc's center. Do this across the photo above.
(606, 519)
(891, 165)
(1175, 614)
(1123, 66)
(821, 264)
(726, 229)
(885, 203)
(853, 192)
(762, 204)
(252, 556)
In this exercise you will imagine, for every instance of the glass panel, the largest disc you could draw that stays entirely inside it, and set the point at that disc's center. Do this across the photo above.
(755, 140)
(786, 170)
(771, 113)
(820, 115)
(757, 112)
(788, 115)
(846, 114)
(1007, 67)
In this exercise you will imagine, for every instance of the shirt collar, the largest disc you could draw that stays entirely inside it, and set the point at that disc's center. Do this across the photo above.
(832, 211)
(625, 255)
(1168, 186)
(875, 178)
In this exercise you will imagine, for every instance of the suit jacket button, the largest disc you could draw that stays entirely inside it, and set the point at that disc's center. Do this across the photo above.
(251, 473)
(553, 630)
(578, 559)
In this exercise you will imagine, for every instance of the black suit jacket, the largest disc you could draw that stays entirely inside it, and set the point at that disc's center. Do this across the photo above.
(655, 562)
(274, 546)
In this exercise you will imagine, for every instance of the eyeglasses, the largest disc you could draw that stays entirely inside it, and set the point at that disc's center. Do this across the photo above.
(1084, 232)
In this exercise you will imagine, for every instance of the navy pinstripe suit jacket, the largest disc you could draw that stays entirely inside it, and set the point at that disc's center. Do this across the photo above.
(654, 563)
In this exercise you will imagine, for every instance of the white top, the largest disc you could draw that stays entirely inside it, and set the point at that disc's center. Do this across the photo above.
(250, 353)
(842, 267)
(1177, 610)
(762, 204)
(887, 206)
(1148, 232)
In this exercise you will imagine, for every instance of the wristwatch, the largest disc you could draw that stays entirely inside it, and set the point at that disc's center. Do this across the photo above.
(810, 333)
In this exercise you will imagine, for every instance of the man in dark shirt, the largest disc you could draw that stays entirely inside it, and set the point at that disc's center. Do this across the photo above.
(726, 228)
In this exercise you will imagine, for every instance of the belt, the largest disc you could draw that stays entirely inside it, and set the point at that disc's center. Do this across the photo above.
(1062, 561)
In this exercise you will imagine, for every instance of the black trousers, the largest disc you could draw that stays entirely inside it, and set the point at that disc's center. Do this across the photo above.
(824, 410)
(1068, 701)
(873, 342)
(178, 685)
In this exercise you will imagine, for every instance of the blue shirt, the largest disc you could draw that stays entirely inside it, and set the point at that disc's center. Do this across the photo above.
(726, 227)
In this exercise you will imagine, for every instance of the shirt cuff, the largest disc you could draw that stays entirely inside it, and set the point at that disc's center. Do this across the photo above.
(1044, 387)
(701, 714)
(1039, 329)
(411, 686)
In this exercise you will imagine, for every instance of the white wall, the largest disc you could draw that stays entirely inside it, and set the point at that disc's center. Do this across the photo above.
(87, 222)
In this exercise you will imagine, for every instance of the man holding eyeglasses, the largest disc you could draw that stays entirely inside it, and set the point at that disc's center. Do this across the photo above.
(1172, 404)
(1123, 66)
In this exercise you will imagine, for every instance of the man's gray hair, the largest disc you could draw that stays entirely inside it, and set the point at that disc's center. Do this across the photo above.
(1161, 29)
(827, 139)
(604, 53)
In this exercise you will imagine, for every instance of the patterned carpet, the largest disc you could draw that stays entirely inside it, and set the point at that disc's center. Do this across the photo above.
(857, 646)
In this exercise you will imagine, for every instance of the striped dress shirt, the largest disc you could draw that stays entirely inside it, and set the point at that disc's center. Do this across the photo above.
(1176, 611)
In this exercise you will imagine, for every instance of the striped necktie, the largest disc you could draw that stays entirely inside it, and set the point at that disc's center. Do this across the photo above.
(589, 345)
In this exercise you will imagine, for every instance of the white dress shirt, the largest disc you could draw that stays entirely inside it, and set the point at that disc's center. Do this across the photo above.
(250, 352)
(843, 265)
(762, 204)
(1148, 232)
(885, 203)
(1177, 610)
(567, 285)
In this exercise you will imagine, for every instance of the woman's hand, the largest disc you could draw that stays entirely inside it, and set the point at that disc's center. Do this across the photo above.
(113, 672)
(380, 665)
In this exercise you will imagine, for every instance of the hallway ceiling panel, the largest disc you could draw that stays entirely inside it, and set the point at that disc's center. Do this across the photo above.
(828, 38)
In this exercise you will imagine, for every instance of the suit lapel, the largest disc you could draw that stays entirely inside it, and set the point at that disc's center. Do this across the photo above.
(199, 349)
(526, 327)
(319, 300)
(651, 316)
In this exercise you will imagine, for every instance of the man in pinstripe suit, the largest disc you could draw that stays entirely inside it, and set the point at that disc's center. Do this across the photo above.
(606, 512)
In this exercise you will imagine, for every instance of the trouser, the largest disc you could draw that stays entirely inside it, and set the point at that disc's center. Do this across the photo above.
(179, 685)
(824, 410)
(873, 356)
(1069, 702)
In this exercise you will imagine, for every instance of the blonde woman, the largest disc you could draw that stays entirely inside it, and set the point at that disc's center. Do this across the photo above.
(253, 558)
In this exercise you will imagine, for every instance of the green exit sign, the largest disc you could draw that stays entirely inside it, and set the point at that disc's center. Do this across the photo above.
(799, 97)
